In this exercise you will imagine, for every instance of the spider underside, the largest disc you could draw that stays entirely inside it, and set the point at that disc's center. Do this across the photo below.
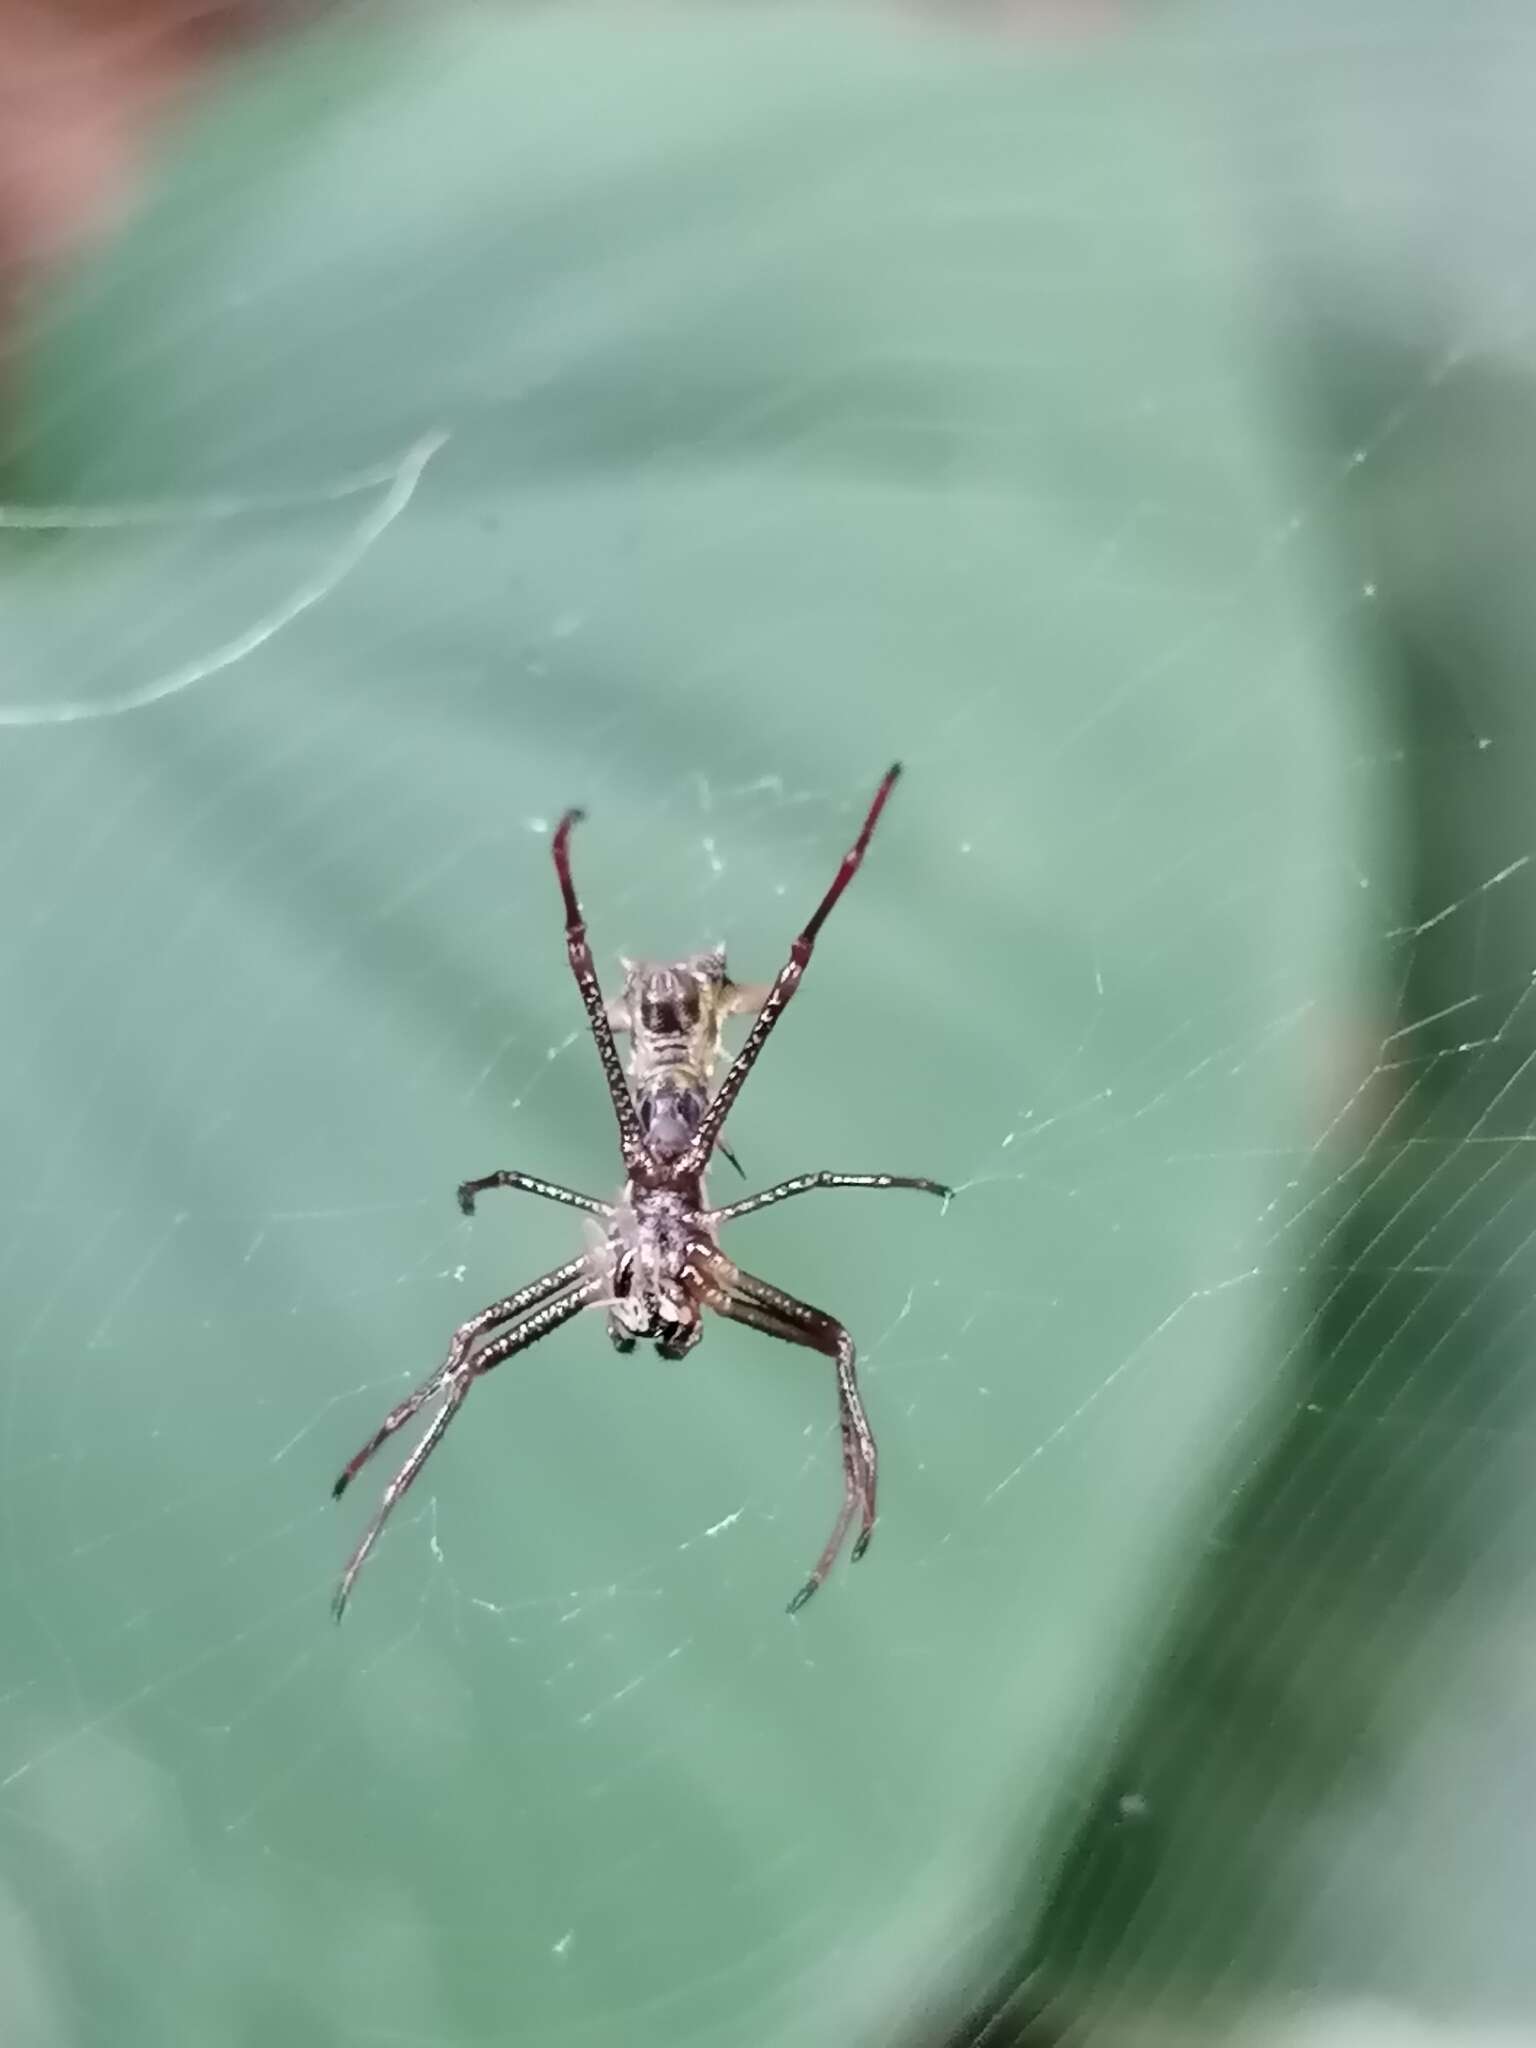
(659, 1264)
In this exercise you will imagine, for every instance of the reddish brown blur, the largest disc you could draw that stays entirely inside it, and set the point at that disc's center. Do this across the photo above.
(82, 85)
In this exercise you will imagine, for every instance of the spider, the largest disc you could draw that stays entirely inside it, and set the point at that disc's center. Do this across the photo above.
(659, 1264)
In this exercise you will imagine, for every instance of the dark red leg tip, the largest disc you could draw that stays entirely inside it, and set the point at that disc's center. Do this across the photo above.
(563, 831)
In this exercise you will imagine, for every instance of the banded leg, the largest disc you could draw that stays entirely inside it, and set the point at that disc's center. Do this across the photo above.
(397, 1489)
(785, 984)
(746, 998)
(529, 1185)
(580, 956)
(741, 1298)
(463, 1337)
(470, 1368)
(804, 1183)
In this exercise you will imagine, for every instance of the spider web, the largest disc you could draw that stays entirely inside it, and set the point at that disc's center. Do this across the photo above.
(902, 400)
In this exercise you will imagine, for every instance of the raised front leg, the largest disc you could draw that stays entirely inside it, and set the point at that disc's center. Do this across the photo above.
(786, 982)
(580, 955)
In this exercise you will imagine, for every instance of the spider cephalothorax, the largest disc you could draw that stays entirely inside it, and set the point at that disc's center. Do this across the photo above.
(658, 1264)
(651, 1241)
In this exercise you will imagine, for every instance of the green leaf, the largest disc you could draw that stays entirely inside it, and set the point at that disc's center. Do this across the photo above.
(683, 418)
(1320, 1811)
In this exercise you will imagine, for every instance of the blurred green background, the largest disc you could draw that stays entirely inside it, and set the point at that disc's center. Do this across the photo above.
(684, 413)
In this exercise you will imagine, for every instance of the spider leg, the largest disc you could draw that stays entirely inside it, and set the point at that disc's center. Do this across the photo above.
(804, 1183)
(396, 1490)
(741, 1298)
(458, 1384)
(580, 956)
(463, 1337)
(529, 1185)
(550, 1317)
(785, 983)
